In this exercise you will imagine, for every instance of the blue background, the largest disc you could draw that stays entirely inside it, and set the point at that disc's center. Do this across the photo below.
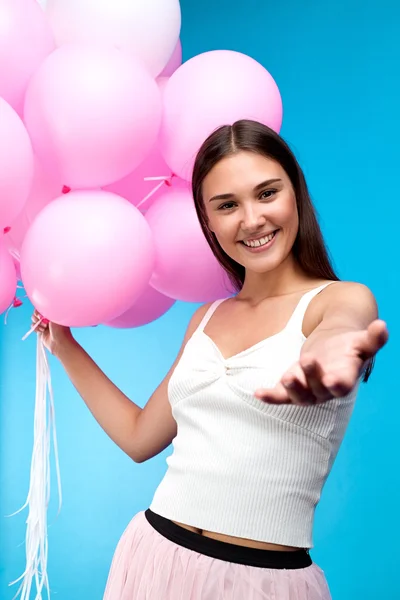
(337, 67)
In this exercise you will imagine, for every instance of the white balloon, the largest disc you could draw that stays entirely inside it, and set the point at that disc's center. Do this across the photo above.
(149, 29)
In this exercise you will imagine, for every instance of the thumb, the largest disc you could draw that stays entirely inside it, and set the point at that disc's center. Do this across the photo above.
(374, 339)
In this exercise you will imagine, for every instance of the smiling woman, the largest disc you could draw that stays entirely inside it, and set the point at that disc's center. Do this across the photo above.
(264, 191)
(260, 213)
(258, 400)
(267, 193)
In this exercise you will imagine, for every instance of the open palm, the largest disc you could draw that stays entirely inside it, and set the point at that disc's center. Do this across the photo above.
(330, 370)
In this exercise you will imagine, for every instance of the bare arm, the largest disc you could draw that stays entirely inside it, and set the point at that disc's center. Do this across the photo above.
(140, 433)
(342, 307)
(346, 336)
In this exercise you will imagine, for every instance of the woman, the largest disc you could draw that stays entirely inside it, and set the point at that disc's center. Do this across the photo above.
(257, 401)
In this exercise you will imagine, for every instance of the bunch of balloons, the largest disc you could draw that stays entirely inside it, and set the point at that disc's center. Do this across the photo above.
(100, 123)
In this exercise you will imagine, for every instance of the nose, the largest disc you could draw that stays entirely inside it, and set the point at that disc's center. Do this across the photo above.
(253, 217)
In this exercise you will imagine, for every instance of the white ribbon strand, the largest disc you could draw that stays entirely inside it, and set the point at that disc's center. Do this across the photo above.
(38, 499)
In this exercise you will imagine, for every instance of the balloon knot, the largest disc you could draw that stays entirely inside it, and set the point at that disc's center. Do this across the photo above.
(66, 189)
(16, 303)
(168, 181)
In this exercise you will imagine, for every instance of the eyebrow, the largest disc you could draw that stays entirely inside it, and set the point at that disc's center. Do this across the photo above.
(256, 189)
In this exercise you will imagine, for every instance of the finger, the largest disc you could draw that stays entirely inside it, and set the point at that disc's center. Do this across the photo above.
(341, 384)
(373, 339)
(36, 318)
(379, 334)
(297, 389)
(39, 324)
(276, 395)
(314, 374)
(295, 382)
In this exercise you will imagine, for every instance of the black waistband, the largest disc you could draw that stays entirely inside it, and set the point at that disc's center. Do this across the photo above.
(253, 557)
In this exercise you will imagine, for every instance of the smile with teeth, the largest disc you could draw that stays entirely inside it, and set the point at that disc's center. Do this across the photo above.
(260, 241)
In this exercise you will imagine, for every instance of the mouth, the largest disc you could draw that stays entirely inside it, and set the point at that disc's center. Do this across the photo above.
(261, 243)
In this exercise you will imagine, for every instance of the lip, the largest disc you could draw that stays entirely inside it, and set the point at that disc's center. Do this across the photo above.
(259, 237)
(259, 249)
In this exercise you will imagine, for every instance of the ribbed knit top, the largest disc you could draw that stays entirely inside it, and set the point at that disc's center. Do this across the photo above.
(239, 466)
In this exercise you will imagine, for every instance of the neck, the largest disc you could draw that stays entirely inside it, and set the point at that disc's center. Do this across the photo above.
(285, 279)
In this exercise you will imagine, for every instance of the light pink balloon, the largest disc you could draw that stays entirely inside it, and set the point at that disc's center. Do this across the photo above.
(186, 269)
(147, 30)
(213, 89)
(134, 187)
(86, 258)
(150, 306)
(45, 187)
(174, 62)
(93, 114)
(16, 164)
(25, 41)
(162, 84)
(8, 278)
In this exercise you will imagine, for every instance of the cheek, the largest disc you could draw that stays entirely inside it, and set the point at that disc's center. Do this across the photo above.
(287, 215)
(219, 226)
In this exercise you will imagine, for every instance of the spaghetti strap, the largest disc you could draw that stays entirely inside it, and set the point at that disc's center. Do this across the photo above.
(296, 320)
(209, 314)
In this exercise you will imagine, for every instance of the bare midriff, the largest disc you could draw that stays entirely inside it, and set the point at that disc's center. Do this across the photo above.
(228, 539)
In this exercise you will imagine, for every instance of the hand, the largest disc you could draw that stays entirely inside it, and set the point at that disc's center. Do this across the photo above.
(54, 336)
(329, 369)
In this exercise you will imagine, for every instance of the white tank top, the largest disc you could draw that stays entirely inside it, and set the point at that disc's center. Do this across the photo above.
(239, 466)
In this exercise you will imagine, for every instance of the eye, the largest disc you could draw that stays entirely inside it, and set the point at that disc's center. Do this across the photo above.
(226, 206)
(267, 194)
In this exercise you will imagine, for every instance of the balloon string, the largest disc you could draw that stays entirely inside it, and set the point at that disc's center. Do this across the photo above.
(158, 178)
(36, 539)
(33, 328)
(15, 254)
(163, 180)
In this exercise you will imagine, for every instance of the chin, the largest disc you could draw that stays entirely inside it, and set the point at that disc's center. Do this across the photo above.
(261, 269)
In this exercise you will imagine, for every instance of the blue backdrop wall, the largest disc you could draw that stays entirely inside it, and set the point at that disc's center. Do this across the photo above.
(335, 64)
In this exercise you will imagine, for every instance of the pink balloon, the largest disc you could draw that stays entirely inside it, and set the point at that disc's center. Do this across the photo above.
(162, 84)
(93, 114)
(45, 187)
(25, 41)
(134, 187)
(16, 164)
(8, 278)
(150, 306)
(174, 62)
(86, 258)
(147, 30)
(213, 89)
(186, 269)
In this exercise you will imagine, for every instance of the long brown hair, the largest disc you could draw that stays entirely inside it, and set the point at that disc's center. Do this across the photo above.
(309, 248)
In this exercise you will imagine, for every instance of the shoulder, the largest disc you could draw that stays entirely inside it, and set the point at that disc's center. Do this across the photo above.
(347, 292)
(197, 318)
(348, 296)
(338, 302)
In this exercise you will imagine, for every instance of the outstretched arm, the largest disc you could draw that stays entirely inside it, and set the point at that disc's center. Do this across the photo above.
(336, 353)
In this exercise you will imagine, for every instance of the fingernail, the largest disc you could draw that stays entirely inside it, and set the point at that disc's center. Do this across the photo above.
(289, 384)
(45, 321)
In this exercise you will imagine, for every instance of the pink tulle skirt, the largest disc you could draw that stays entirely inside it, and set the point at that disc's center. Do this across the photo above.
(148, 566)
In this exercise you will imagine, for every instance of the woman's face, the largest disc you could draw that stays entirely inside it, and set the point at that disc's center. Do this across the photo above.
(251, 208)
